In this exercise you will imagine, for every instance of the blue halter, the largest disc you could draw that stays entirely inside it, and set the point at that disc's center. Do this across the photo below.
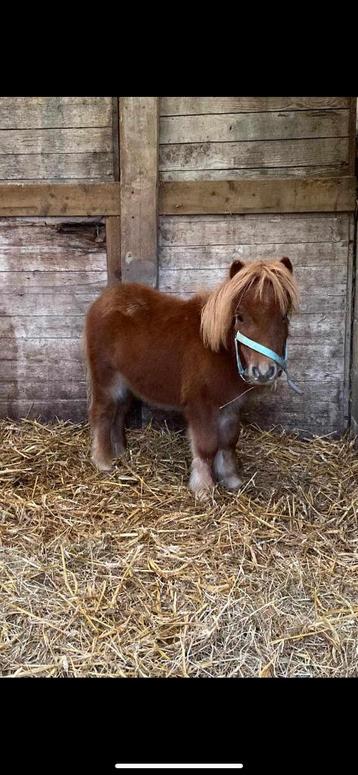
(260, 348)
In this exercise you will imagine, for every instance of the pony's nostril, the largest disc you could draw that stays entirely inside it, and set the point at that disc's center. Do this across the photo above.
(255, 372)
(270, 372)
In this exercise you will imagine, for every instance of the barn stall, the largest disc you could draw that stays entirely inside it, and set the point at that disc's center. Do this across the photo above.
(167, 191)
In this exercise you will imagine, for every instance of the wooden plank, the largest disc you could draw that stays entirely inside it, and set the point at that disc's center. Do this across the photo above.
(47, 112)
(171, 106)
(258, 174)
(247, 196)
(37, 260)
(74, 140)
(103, 199)
(113, 224)
(46, 351)
(56, 166)
(113, 244)
(139, 125)
(258, 154)
(75, 410)
(74, 235)
(43, 390)
(115, 137)
(221, 256)
(46, 282)
(352, 136)
(48, 199)
(44, 326)
(35, 370)
(252, 229)
(72, 302)
(230, 127)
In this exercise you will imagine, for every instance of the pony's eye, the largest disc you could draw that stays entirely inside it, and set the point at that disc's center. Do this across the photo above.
(239, 318)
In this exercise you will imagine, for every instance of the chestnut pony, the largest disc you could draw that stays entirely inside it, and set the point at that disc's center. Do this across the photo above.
(195, 356)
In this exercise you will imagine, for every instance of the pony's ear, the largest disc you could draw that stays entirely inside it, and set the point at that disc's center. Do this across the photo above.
(287, 263)
(235, 268)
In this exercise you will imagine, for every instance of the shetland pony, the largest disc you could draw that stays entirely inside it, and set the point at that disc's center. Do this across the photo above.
(180, 354)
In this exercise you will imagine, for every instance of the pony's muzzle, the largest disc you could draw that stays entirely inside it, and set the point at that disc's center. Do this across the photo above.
(262, 373)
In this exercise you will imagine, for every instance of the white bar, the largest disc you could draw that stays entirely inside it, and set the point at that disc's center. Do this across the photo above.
(236, 766)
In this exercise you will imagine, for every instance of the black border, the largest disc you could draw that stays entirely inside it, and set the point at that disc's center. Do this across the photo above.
(87, 725)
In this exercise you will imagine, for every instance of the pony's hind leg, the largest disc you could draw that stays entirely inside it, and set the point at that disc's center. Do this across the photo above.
(225, 463)
(124, 401)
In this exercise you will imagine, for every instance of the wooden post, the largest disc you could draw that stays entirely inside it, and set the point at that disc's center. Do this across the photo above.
(113, 224)
(139, 139)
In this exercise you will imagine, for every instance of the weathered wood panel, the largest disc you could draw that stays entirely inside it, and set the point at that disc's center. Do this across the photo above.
(251, 229)
(74, 140)
(113, 241)
(71, 166)
(353, 364)
(41, 326)
(56, 199)
(139, 120)
(232, 127)
(57, 138)
(47, 411)
(263, 153)
(35, 390)
(49, 273)
(57, 112)
(317, 171)
(249, 196)
(171, 106)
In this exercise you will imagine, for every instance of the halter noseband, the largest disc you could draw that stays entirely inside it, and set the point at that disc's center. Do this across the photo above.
(260, 348)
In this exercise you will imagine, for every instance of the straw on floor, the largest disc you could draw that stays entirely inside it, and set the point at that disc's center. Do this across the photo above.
(123, 574)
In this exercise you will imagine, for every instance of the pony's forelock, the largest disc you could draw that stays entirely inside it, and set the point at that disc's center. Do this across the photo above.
(218, 310)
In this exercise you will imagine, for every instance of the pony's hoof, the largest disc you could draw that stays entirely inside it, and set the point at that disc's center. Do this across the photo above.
(233, 483)
(202, 495)
(101, 465)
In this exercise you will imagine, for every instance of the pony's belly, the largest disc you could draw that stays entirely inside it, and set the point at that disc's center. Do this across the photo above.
(164, 399)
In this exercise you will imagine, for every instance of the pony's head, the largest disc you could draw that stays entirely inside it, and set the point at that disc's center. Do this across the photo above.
(256, 301)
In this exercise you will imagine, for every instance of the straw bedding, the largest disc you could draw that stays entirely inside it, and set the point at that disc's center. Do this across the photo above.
(123, 574)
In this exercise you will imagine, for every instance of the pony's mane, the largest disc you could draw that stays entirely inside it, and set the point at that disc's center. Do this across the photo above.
(218, 309)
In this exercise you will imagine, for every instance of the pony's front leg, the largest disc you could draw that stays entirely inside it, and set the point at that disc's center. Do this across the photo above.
(204, 446)
(225, 463)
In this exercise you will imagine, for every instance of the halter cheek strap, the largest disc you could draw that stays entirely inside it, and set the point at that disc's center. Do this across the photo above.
(260, 348)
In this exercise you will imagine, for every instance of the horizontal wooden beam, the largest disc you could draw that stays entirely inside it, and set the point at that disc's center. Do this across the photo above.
(197, 197)
(275, 195)
(56, 199)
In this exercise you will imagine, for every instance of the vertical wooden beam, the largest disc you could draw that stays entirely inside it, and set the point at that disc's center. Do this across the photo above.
(139, 140)
(113, 248)
(354, 348)
(352, 136)
(113, 224)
